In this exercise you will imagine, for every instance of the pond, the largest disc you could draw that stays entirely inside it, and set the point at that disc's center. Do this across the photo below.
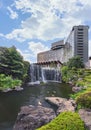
(11, 102)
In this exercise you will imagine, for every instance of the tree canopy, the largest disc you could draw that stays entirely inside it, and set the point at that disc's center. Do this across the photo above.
(12, 63)
(75, 62)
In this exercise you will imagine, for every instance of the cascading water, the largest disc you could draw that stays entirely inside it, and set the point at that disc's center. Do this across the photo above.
(35, 73)
(44, 74)
(51, 74)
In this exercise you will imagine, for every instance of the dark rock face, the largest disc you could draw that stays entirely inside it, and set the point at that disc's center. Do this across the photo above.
(31, 117)
(86, 117)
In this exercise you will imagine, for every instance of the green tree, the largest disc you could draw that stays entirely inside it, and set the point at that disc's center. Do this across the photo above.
(4, 54)
(12, 63)
(75, 62)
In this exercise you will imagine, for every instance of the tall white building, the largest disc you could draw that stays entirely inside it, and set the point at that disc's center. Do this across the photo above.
(75, 44)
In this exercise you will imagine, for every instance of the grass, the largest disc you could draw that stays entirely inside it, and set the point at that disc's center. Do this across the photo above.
(65, 121)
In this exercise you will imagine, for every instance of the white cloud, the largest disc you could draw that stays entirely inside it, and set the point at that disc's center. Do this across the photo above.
(33, 49)
(26, 55)
(85, 2)
(17, 34)
(50, 19)
(1, 35)
(13, 14)
(37, 47)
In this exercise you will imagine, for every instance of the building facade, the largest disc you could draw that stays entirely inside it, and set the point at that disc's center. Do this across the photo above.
(75, 44)
(55, 54)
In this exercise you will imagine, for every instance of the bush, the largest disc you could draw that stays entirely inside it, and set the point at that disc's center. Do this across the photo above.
(80, 83)
(64, 71)
(65, 121)
(84, 100)
(7, 82)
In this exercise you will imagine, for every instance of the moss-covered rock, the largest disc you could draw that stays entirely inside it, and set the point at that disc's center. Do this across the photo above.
(65, 121)
(84, 100)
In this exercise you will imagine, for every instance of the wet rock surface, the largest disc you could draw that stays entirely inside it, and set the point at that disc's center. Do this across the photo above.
(31, 117)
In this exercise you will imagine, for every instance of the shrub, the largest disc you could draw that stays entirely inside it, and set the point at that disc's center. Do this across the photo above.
(64, 71)
(84, 100)
(65, 121)
(80, 83)
(7, 82)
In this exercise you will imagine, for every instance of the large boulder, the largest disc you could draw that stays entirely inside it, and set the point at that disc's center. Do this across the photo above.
(62, 104)
(31, 117)
(85, 115)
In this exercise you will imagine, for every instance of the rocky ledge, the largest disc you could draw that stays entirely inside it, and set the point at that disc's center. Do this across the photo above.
(31, 117)
(85, 115)
(62, 104)
(17, 88)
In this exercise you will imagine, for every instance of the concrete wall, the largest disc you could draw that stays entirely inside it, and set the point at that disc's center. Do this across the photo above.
(51, 55)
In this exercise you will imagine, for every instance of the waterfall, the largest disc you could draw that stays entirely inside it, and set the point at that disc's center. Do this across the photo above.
(44, 74)
(35, 73)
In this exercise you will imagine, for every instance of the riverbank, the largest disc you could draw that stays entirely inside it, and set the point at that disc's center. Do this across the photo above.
(16, 88)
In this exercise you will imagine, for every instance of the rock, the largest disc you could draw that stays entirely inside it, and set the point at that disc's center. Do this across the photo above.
(31, 117)
(18, 88)
(62, 104)
(66, 106)
(85, 115)
(7, 90)
(71, 83)
(80, 79)
(76, 89)
(55, 100)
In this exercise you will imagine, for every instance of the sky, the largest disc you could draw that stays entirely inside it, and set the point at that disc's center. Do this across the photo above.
(32, 25)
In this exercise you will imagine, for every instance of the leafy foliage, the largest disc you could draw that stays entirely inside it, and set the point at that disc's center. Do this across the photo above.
(13, 68)
(84, 100)
(73, 69)
(12, 63)
(79, 77)
(8, 82)
(65, 121)
(75, 62)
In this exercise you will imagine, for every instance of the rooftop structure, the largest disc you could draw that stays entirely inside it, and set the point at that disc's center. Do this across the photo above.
(53, 54)
(57, 45)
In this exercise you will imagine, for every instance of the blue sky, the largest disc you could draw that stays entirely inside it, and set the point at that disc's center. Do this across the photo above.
(32, 25)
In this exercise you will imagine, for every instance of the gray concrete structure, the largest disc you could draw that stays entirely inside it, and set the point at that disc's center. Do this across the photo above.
(75, 44)
(55, 54)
